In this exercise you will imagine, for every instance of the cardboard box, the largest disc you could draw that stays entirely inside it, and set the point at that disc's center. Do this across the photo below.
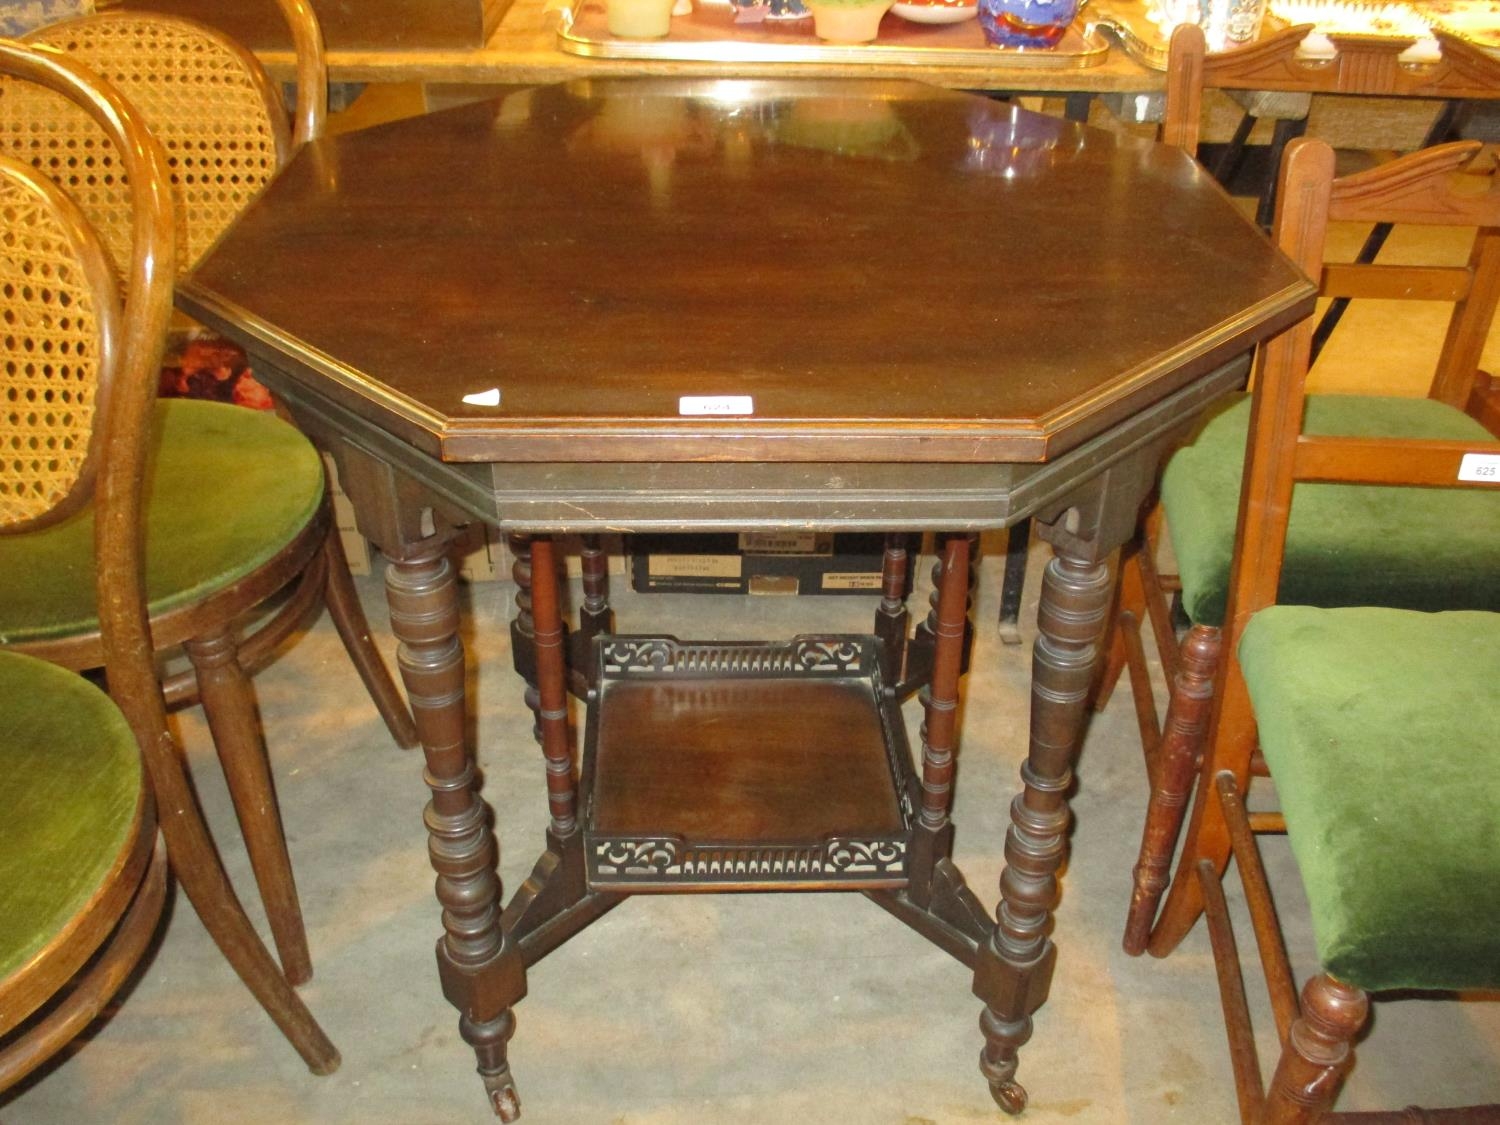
(778, 562)
(483, 554)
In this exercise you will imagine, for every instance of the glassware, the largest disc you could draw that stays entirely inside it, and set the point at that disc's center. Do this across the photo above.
(1026, 23)
(1228, 24)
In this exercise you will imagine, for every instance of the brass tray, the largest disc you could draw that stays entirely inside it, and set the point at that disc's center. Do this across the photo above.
(1130, 23)
(709, 34)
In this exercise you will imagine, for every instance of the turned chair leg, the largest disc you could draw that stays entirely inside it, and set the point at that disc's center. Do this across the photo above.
(229, 705)
(1318, 1052)
(1176, 760)
(349, 619)
(1124, 627)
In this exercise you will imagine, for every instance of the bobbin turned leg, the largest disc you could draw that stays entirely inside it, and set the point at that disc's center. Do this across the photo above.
(919, 652)
(1014, 969)
(1177, 758)
(480, 968)
(522, 638)
(932, 835)
(891, 616)
(552, 690)
(595, 617)
(555, 901)
(936, 901)
(1318, 1052)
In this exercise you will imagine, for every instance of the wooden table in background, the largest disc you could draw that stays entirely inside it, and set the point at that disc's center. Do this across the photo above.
(712, 304)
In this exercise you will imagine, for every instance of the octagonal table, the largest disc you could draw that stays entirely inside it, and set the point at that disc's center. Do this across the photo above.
(716, 304)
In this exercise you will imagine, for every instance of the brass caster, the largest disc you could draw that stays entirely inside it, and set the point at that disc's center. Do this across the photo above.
(505, 1102)
(1009, 1096)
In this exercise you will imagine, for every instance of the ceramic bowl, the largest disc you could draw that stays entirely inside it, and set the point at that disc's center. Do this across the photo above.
(935, 11)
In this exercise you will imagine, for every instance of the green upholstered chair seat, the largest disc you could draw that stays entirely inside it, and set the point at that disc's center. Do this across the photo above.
(1380, 729)
(229, 488)
(70, 783)
(1347, 545)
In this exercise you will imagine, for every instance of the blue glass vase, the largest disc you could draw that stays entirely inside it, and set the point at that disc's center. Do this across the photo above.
(1025, 23)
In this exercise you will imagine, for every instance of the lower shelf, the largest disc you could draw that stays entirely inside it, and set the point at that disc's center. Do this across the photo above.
(744, 766)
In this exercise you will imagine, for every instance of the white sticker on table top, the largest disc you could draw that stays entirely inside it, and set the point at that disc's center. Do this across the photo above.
(716, 405)
(490, 397)
(1483, 467)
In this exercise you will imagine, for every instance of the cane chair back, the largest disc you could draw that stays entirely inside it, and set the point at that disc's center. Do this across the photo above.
(1377, 724)
(223, 125)
(116, 534)
(209, 101)
(61, 320)
(82, 882)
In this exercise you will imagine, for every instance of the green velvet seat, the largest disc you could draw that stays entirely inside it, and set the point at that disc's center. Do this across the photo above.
(229, 488)
(1381, 729)
(1347, 544)
(70, 787)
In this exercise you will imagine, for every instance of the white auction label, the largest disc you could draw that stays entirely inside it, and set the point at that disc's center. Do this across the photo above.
(715, 404)
(1483, 467)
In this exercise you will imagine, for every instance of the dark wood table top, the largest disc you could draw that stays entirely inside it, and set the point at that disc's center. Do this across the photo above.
(890, 272)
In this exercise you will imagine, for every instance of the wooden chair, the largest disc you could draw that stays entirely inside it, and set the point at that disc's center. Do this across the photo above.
(239, 508)
(1362, 65)
(86, 780)
(1198, 500)
(1378, 725)
(1272, 70)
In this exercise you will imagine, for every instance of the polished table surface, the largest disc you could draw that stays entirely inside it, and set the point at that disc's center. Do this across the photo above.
(707, 304)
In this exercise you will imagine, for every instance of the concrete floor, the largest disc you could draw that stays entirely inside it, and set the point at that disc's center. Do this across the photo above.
(692, 1009)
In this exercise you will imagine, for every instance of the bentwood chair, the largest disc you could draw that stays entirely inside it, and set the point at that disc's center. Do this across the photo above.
(1396, 548)
(238, 507)
(1377, 725)
(88, 780)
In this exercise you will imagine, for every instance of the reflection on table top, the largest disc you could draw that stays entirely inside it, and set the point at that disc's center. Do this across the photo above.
(728, 270)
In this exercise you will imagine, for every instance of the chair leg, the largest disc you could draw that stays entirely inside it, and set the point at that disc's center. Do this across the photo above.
(1125, 651)
(1177, 759)
(349, 619)
(1017, 543)
(1122, 618)
(1317, 1053)
(229, 705)
(201, 876)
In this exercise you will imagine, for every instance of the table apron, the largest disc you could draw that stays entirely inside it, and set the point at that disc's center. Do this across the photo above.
(710, 496)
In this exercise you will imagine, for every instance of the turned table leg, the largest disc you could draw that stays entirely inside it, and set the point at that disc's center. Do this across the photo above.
(480, 967)
(891, 617)
(595, 617)
(552, 689)
(932, 835)
(522, 639)
(1014, 969)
